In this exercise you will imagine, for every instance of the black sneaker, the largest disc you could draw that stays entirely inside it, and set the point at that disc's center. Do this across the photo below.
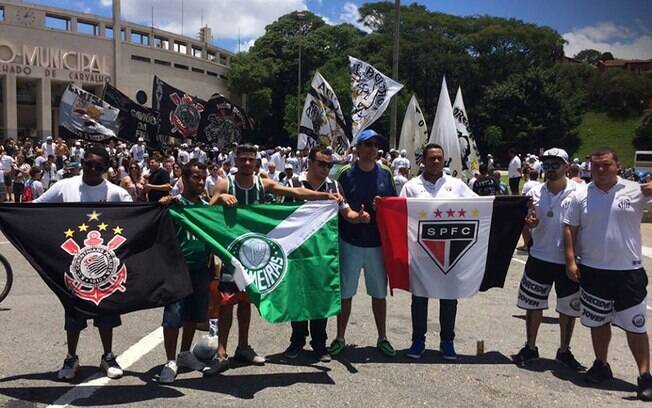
(568, 359)
(598, 373)
(524, 355)
(292, 351)
(644, 391)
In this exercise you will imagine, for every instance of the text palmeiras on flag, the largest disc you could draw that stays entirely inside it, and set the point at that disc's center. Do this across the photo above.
(449, 248)
(100, 258)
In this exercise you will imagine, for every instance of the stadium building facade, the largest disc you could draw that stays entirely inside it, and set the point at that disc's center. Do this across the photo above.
(42, 49)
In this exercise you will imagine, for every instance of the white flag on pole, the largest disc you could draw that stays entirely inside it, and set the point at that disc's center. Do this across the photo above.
(371, 92)
(322, 121)
(444, 132)
(469, 152)
(414, 134)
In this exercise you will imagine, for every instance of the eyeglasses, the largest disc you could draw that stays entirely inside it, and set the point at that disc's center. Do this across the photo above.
(324, 164)
(551, 166)
(369, 143)
(95, 166)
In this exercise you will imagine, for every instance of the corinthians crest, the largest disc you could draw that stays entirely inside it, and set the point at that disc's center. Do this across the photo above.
(185, 118)
(95, 271)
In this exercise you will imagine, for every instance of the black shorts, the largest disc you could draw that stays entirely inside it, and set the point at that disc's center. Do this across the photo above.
(537, 281)
(8, 180)
(616, 297)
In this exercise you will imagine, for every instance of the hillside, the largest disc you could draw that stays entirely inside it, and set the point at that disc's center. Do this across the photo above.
(598, 129)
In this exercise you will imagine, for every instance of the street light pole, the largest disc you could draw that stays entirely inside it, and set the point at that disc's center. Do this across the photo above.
(300, 16)
(299, 92)
(394, 111)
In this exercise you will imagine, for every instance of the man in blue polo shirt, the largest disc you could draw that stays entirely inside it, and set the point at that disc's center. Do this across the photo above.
(363, 183)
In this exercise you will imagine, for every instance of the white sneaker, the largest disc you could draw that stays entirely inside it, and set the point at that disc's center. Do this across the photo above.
(70, 368)
(186, 359)
(168, 373)
(110, 366)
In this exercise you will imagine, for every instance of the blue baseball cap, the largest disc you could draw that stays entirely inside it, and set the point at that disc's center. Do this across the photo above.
(368, 134)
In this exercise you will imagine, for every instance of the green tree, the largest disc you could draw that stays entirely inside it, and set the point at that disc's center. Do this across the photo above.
(588, 56)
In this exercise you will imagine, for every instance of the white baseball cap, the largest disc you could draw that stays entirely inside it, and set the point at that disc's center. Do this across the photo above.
(556, 152)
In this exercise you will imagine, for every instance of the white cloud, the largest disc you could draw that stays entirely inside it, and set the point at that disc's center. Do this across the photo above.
(350, 14)
(606, 36)
(244, 45)
(106, 3)
(327, 20)
(224, 17)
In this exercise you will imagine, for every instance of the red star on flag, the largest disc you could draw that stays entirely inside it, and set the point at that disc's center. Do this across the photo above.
(450, 212)
(461, 212)
(438, 213)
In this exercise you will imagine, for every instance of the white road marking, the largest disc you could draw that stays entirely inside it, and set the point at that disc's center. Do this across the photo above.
(96, 381)
(5, 242)
(518, 260)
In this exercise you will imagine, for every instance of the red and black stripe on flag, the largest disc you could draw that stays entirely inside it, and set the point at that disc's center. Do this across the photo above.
(101, 257)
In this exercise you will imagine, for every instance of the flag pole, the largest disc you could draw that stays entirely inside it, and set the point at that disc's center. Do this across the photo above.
(394, 111)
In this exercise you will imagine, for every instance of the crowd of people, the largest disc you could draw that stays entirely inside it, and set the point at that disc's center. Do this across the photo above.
(583, 237)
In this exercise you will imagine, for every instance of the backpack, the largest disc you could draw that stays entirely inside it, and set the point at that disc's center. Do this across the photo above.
(28, 194)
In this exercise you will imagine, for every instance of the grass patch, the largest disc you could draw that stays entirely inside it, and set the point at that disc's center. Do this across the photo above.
(598, 129)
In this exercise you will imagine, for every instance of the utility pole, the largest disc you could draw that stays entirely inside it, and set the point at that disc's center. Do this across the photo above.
(117, 33)
(394, 112)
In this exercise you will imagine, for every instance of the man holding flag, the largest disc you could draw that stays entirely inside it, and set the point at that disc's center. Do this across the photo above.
(433, 183)
(363, 183)
(320, 161)
(90, 187)
(246, 188)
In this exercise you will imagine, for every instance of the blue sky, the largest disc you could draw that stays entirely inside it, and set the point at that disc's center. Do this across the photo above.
(623, 27)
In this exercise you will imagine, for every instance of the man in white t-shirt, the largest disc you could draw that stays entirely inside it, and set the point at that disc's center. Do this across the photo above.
(278, 158)
(514, 171)
(401, 161)
(602, 239)
(433, 183)
(546, 264)
(137, 151)
(7, 163)
(47, 147)
(183, 157)
(90, 187)
(533, 181)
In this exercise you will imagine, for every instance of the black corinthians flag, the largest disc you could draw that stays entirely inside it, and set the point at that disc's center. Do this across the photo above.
(100, 258)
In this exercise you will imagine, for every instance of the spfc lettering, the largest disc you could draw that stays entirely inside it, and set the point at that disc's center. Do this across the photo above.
(446, 242)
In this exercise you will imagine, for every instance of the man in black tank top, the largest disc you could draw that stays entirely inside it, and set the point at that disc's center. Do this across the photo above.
(246, 188)
(320, 161)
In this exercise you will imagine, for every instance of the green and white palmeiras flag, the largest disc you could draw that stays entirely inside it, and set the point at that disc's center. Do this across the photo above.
(286, 257)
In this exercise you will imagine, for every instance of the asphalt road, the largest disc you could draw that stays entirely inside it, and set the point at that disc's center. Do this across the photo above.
(32, 348)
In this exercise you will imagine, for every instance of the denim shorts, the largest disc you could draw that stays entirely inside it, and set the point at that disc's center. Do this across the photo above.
(352, 260)
(192, 308)
(75, 323)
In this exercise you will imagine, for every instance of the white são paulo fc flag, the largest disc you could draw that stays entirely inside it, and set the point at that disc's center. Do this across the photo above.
(470, 155)
(444, 132)
(372, 91)
(449, 248)
(322, 121)
(414, 134)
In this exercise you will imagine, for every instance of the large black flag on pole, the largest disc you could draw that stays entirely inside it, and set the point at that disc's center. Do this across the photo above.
(101, 258)
(134, 121)
(180, 113)
(222, 122)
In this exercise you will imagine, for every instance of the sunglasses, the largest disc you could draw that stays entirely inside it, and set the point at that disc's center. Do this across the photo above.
(324, 164)
(551, 166)
(95, 166)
